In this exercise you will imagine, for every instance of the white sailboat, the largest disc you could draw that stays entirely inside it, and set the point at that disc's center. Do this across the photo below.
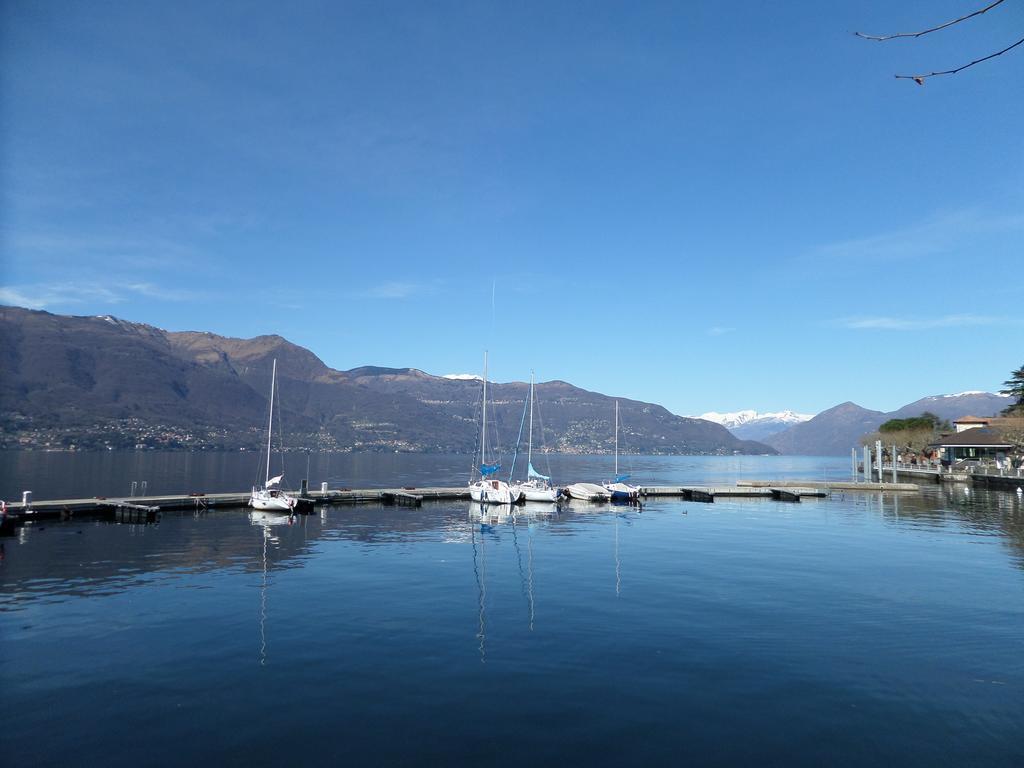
(618, 488)
(270, 498)
(537, 486)
(488, 489)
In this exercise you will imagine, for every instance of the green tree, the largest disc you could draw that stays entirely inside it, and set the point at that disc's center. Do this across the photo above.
(926, 421)
(1014, 386)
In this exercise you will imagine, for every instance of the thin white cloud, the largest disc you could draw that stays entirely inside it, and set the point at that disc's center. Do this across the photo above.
(402, 290)
(939, 234)
(15, 297)
(883, 323)
(393, 290)
(162, 293)
(125, 251)
(719, 330)
(44, 295)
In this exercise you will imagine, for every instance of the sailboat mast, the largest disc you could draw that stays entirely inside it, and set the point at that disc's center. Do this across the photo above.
(270, 424)
(529, 449)
(616, 438)
(483, 428)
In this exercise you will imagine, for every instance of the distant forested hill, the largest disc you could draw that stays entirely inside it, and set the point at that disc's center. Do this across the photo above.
(101, 381)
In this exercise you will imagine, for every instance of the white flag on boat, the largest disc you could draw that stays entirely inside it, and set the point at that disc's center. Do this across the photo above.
(273, 481)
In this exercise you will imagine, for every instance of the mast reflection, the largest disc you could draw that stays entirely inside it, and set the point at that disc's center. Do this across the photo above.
(484, 523)
(480, 573)
(266, 521)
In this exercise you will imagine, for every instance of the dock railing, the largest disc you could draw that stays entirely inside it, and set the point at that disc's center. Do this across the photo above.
(992, 470)
(971, 468)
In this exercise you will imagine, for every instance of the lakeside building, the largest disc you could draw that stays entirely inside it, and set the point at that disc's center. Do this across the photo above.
(975, 444)
(971, 422)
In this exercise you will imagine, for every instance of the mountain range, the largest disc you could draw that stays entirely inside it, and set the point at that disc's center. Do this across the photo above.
(835, 431)
(751, 425)
(93, 382)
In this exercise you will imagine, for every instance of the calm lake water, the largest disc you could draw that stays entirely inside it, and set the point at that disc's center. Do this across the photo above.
(66, 475)
(860, 629)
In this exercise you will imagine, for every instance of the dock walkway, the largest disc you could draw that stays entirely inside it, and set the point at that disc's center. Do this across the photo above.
(147, 508)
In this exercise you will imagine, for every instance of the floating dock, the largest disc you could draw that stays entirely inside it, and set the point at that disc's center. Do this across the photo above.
(830, 486)
(143, 509)
(708, 493)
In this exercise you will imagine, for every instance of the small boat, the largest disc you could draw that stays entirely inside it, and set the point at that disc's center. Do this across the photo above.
(587, 492)
(618, 488)
(537, 486)
(270, 498)
(488, 489)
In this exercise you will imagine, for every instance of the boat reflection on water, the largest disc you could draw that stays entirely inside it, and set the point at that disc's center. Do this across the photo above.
(480, 572)
(266, 522)
(618, 561)
(269, 519)
(490, 514)
(520, 521)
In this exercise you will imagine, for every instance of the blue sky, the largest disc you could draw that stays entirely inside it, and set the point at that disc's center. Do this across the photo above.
(708, 206)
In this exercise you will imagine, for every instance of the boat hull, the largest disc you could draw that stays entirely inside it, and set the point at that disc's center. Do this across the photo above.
(540, 494)
(538, 490)
(494, 492)
(272, 502)
(622, 491)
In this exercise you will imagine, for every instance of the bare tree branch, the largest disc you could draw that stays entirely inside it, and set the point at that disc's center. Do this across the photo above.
(919, 79)
(933, 29)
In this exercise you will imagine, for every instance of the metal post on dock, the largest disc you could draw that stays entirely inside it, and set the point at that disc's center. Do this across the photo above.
(894, 479)
(867, 464)
(878, 458)
(853, 464)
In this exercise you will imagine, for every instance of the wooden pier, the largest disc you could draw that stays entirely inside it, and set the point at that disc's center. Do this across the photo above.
(147, 509)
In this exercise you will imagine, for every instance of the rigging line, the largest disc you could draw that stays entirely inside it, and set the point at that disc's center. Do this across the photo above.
(495, 428)
(519, 440)
(257, 483)
(543, 440)
(280, 431)
(476, 436)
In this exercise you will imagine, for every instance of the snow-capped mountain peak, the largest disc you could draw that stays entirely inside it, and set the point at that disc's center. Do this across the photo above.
(965, 394)
(751, 425)
(740, 418)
